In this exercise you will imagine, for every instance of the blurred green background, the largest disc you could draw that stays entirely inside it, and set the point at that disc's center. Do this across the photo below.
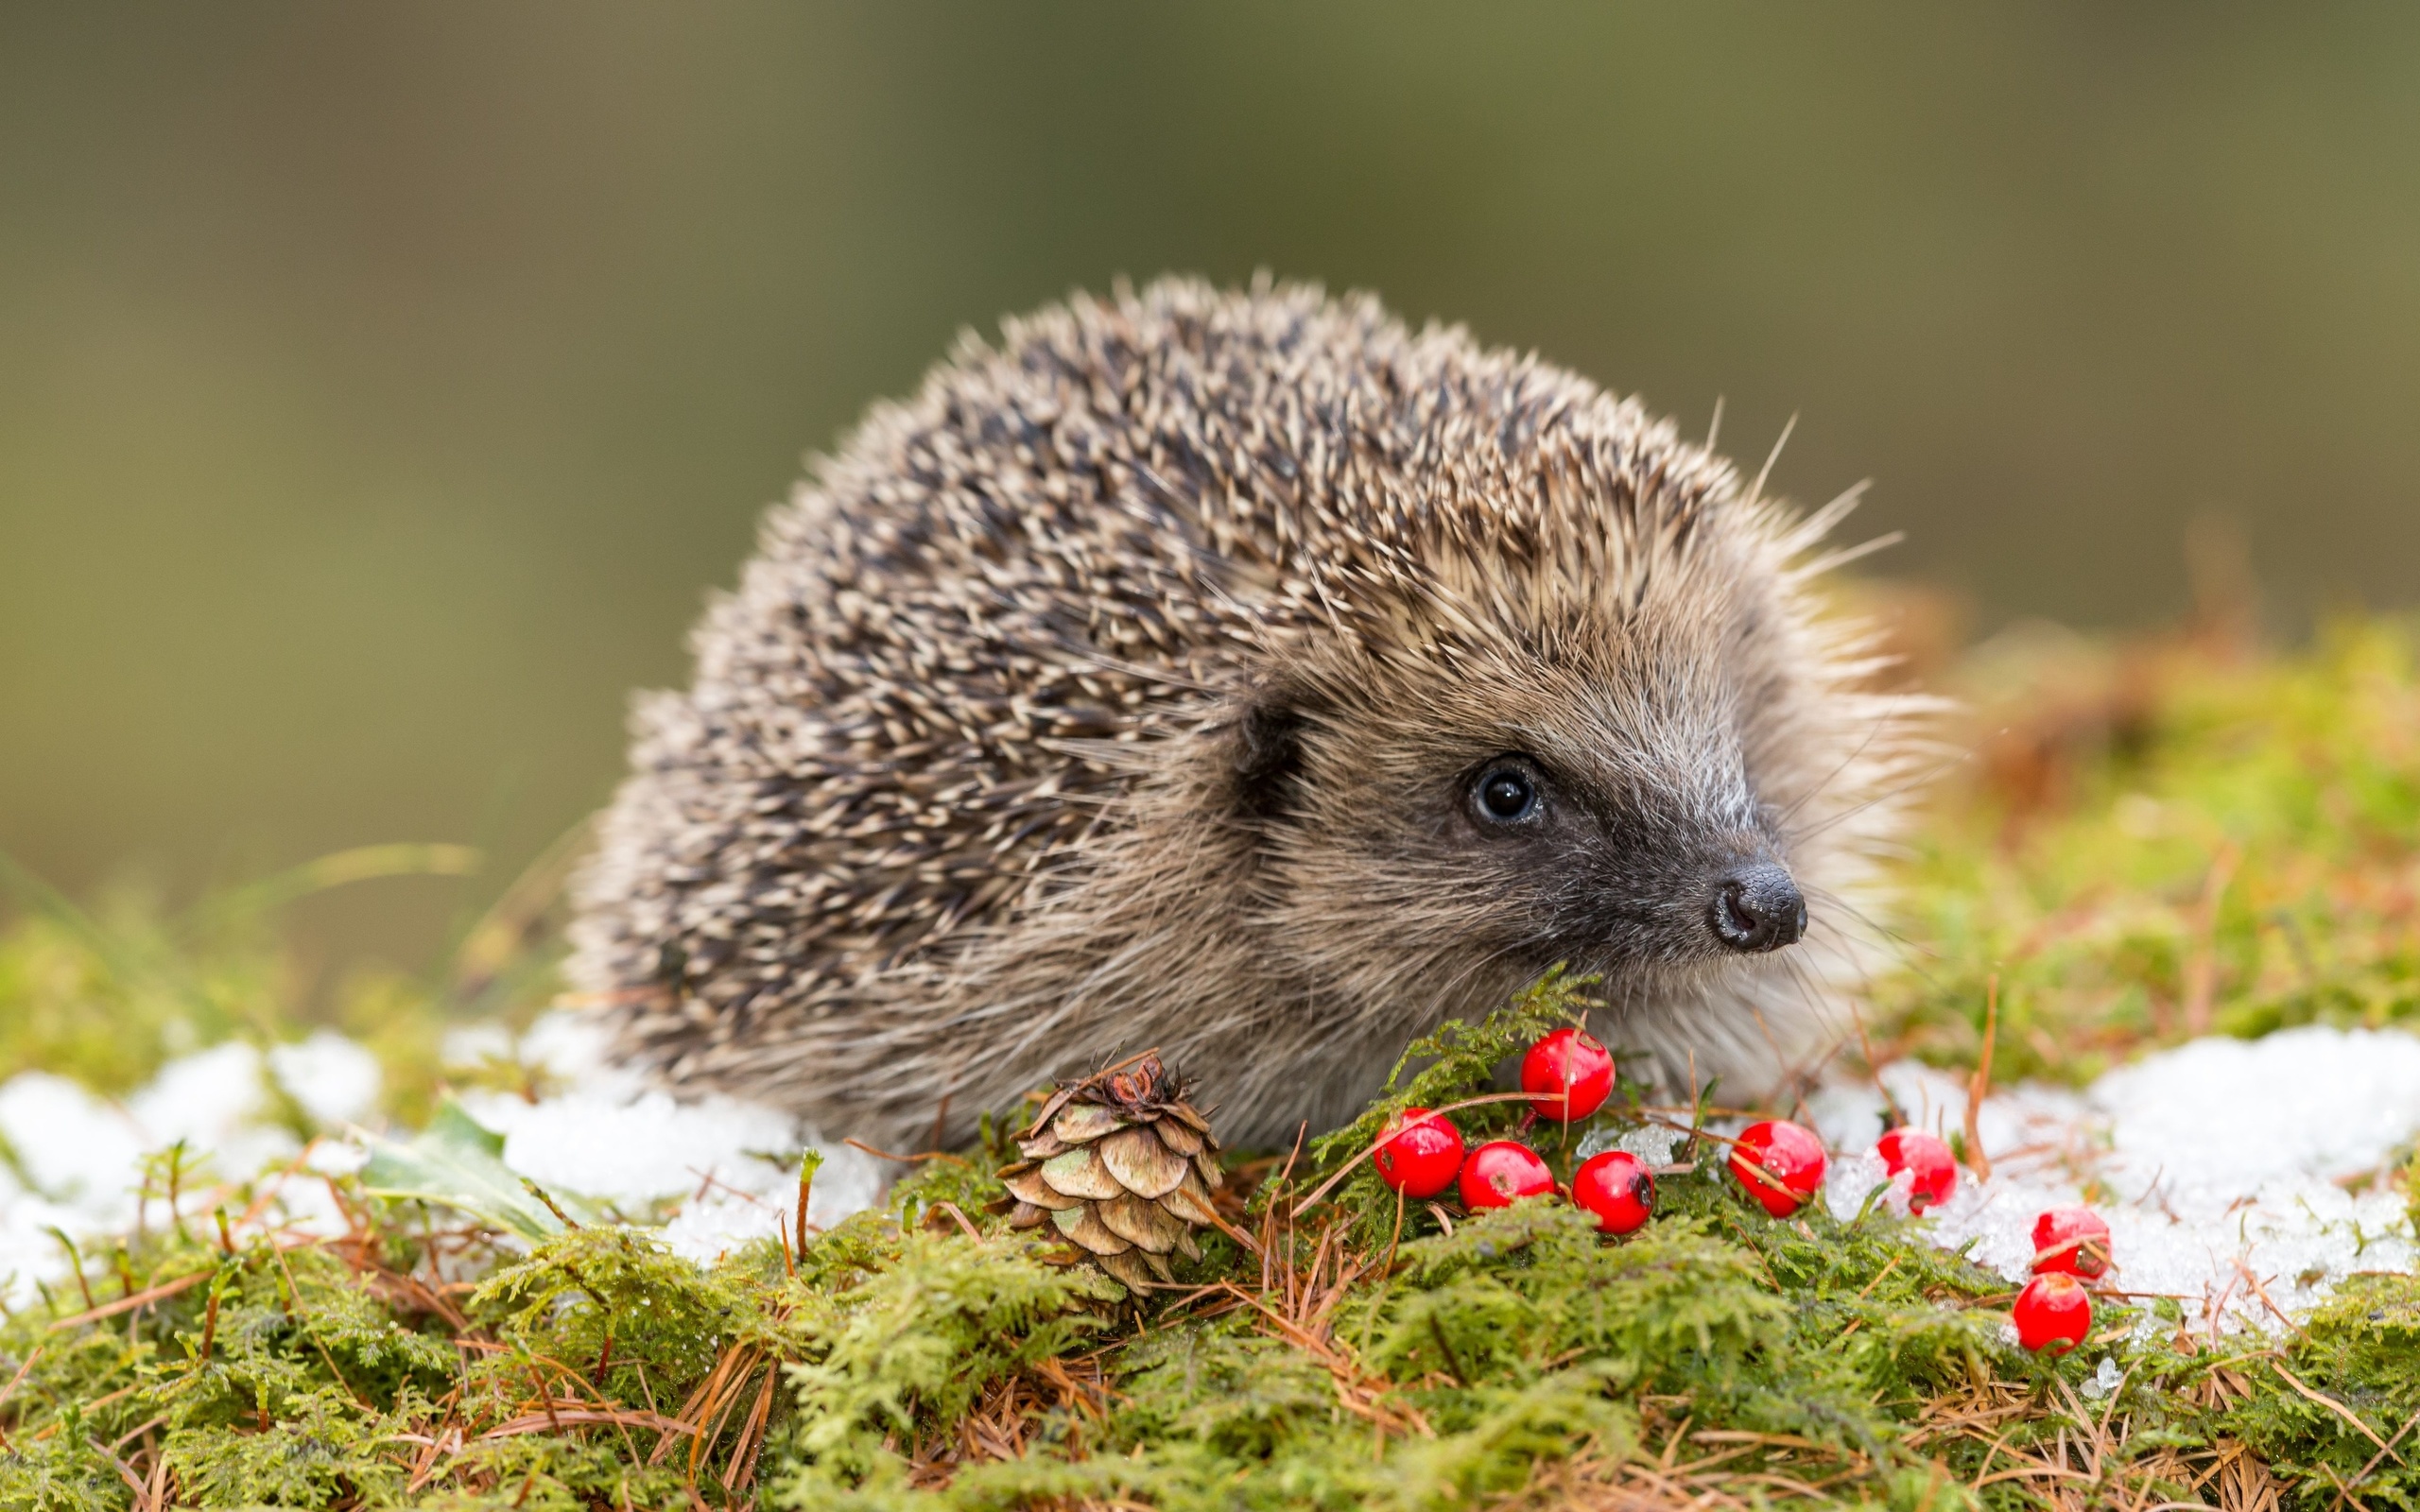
(382, 386)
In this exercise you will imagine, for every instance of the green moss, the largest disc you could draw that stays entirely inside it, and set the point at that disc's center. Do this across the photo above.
(909, 1352)
(2361, 1353)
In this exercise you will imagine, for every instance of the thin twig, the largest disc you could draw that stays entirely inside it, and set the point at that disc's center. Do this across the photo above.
(1980, 1085)
(905, 1159)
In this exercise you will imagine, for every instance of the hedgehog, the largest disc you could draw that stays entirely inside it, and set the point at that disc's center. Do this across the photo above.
(1245, 676)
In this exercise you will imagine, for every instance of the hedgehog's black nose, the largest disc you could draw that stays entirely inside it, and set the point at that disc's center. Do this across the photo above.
(1758, 908)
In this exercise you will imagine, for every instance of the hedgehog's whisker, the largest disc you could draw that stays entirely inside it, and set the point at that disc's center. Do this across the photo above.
(1810, 991)
(1882, 933)
(1909, 954)
(1921, 778)
(1881, 723)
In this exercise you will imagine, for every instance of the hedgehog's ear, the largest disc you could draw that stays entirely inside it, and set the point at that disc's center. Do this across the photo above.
(1265, 754)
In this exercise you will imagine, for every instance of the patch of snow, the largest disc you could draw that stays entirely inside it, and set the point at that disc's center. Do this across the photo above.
(2218, 1165)
(574, 1047)
(216, 1101)
(727, 1170)
(335, 1158)
(734, 1165)
(83, 1158)
(757, 1198)
(2232, 1114)
(75, 1149)
(635, 1150)
(469, 1044)
(336, 1080)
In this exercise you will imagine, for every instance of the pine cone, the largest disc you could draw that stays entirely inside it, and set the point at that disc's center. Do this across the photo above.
(1122, 1167)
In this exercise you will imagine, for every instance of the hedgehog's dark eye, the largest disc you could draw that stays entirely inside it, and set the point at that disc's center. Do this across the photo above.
(1505, 792)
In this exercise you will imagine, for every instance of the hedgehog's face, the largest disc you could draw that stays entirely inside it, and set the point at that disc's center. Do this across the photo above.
(1595, 866)
(1610, 861)
(1616, 811)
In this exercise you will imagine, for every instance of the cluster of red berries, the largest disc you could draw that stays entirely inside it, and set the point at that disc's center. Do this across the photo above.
(1567, 1076)
(2055, 1312)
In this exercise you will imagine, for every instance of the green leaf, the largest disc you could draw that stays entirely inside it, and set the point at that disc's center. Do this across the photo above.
(457, 1162)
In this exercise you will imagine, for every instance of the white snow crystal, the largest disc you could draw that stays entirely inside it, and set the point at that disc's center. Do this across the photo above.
(1653, 1143)
(734, 1164)
(572, 1046)
(610, 1137)
(216, 1102)
(1848, 1179)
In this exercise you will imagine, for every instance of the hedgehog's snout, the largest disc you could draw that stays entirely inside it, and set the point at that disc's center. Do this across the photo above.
(1757, 908)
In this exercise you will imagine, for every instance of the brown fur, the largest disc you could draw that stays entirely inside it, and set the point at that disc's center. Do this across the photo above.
(1124, 688)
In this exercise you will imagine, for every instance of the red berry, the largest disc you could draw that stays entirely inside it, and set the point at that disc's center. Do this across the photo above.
(1617, 1188)
(1780, 1164)
(1931, 1171)
(2053, 1313)
(1421, 1152)
(2073, 1240)
(1568, 1075)
(1500, 1171)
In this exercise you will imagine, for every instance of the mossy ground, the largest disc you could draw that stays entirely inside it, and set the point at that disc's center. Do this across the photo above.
(2150, 841)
